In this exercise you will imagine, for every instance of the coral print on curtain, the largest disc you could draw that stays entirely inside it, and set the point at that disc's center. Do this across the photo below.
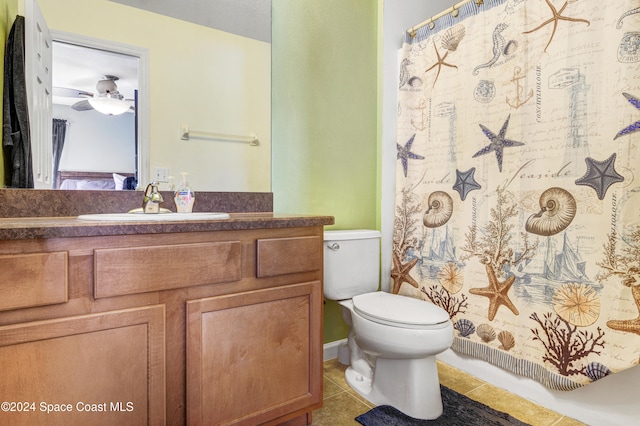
(518, 183)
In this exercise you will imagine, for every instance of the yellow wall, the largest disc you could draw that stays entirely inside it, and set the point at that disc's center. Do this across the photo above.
(8, 12)
(325, 127)
(208, 79)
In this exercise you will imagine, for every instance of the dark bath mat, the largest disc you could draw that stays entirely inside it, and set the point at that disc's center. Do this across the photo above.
(459, 410)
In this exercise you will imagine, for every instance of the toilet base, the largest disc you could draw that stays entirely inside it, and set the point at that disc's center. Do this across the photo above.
(410, 385)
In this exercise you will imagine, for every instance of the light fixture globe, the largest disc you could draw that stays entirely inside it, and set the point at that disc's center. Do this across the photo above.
(108, 100)
(109, 104)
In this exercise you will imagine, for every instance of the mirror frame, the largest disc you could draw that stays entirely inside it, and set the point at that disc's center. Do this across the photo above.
(143, 113)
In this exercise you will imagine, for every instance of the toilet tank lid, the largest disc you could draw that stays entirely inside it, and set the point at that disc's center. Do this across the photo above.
(390, 308)
(351, 234)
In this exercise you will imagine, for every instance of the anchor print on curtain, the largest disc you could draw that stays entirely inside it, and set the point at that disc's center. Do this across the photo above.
(517, 185)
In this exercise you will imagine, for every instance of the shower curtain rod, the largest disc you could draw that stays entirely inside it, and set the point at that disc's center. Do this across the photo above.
(431, 21)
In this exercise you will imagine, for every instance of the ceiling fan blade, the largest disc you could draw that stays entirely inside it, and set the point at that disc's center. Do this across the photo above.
(70, 93)
(82, 106)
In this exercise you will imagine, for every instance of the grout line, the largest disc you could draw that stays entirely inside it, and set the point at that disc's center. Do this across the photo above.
(476, 388)
(334, 394)
(351, 396)
(336, 383)
(557, 421)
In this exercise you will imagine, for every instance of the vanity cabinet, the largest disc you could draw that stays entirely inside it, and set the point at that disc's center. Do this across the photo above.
(197, 328)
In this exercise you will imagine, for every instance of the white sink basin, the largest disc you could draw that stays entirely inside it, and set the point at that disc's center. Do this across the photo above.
(152, 217)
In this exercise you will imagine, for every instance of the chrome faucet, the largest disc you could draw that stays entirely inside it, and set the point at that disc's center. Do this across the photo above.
(152, 199)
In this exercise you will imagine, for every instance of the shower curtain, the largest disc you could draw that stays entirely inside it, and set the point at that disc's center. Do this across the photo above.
(518, 183)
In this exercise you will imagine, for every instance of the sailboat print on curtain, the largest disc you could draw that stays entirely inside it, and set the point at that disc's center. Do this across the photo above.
(562, 263)
(438, 250)
(559, 262)
(441, 249)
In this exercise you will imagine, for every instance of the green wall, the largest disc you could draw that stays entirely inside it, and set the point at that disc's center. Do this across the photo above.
(8, 12)
(325, 133)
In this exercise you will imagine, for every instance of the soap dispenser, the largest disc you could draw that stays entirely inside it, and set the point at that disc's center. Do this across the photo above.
(184, 196)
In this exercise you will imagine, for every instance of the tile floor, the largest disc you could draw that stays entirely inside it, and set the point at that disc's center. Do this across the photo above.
(342, 405)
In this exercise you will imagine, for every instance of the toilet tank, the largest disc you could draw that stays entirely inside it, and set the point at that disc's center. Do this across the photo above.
(351, 263)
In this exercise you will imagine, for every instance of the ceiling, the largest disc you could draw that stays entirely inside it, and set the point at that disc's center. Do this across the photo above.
(80, 68)
(248, 18)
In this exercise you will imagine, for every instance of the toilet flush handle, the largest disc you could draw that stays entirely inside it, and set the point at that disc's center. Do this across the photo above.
(333, 246)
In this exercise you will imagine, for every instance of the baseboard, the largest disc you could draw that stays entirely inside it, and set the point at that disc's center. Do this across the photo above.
(330, 350)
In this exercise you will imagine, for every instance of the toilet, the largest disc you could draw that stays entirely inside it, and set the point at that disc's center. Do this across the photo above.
(393, 339)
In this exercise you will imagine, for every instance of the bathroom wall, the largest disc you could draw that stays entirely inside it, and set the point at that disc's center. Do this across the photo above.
(96, 142)
(325, 118)
(324, 109)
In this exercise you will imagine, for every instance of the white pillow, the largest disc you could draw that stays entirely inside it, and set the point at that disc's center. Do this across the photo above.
(119, 181)
(95, 184)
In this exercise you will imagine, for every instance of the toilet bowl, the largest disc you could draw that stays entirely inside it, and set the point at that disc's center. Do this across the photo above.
(393, 339)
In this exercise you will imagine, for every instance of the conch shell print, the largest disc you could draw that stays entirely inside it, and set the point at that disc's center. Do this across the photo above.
(439, 211)
(557, 210)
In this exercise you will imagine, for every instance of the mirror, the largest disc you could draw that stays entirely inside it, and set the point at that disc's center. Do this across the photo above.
(98, 119)
(215, 83)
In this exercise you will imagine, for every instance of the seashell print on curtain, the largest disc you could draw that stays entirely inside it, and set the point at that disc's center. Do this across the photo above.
(518, 183)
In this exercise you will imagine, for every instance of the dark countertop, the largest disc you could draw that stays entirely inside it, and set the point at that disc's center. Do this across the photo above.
(69, 226)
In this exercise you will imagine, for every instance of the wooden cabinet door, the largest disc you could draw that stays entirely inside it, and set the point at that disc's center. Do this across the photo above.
(98, 369)
(256, 356)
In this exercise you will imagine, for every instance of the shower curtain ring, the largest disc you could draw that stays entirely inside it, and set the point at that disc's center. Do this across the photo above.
(455, 11)
(432, 24)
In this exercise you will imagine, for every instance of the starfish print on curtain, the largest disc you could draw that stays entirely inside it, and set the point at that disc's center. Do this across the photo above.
(465, 182)
(400, 273)
(497, 292)
(439, 64)
(632, 127)
(404, 153)
(557, 16)
(600, 175)
(498, 142)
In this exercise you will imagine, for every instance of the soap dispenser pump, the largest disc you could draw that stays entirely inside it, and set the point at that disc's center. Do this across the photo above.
(184, 196)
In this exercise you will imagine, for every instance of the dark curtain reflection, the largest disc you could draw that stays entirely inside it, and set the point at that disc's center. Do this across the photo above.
(59, 132)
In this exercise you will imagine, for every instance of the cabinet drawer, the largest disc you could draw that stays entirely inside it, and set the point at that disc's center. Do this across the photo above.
(35, 279)
(279, 256)
(120, 271)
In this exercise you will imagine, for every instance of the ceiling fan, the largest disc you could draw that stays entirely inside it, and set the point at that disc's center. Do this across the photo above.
(108, 100)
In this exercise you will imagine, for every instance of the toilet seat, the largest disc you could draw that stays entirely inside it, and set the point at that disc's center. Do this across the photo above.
(400, 311)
